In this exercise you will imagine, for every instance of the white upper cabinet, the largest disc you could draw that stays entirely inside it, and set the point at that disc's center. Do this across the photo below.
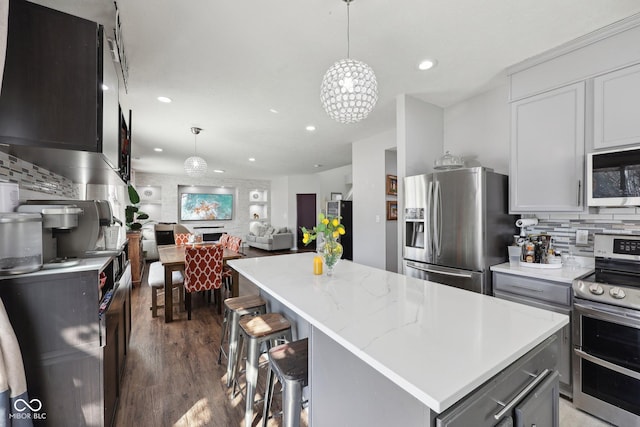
(547, 151)
(616, 108)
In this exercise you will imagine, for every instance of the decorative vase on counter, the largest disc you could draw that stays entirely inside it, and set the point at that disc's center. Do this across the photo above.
(331, 254)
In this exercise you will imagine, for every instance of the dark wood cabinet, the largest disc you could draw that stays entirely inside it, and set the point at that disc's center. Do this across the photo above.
(118, 329)
(74, 354)
(53, 101)
(125, 147)
(51, 95)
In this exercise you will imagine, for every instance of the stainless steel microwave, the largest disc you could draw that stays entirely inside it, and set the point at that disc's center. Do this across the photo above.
(613, 178)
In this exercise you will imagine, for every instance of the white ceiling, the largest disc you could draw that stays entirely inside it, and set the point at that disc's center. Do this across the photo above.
(225, 64)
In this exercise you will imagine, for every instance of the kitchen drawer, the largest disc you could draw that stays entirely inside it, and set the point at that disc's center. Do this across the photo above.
(542, 290)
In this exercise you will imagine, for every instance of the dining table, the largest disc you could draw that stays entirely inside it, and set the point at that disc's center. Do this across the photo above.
(172, 259)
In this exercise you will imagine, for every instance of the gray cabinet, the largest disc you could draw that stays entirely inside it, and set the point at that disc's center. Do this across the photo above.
(547, 151)
(548, 295)
(616, 107)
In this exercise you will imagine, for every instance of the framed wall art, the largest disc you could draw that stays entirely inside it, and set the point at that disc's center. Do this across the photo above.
(392, 210)
(392, 185)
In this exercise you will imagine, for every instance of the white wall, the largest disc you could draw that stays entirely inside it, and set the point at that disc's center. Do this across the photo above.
(369, 207)
(334, 181)
(419, 127)
(279, 198)
(478, 129)
(168, 184)
(391, 238)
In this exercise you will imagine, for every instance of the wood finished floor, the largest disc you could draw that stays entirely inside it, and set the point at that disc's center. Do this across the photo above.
(172, 377)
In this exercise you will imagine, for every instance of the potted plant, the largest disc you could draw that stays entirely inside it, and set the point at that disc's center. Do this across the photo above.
(132, 213)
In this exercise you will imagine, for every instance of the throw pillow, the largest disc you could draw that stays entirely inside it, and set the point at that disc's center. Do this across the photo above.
(283, 230)
(261, 230)
(270, 230)
(254, 228)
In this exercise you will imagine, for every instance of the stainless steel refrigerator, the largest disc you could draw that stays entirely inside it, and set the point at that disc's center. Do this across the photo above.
(456, 226)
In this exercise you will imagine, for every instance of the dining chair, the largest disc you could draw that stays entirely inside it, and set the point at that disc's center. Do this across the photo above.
(224, 240)
(182, 238)
(179, 228)
(164, 234)
(233, 243)
(202, 272)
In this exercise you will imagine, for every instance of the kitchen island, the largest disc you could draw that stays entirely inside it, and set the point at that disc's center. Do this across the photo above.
(387, 349)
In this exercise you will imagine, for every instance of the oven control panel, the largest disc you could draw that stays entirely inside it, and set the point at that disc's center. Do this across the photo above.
(617, 246)
(626, 247)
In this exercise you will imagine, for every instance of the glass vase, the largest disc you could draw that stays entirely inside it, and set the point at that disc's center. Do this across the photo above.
(331, 254)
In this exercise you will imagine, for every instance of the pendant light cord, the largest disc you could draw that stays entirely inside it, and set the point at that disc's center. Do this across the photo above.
(348, 32)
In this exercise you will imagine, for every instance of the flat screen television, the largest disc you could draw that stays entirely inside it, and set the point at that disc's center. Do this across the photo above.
(206, 207)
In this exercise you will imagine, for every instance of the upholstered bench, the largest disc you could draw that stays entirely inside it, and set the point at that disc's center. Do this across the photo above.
(156, 281)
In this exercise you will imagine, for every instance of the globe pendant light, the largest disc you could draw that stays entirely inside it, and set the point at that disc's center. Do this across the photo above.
(349, 89)
(195, 166)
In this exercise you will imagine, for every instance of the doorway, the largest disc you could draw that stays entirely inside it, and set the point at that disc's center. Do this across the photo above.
(305, 217)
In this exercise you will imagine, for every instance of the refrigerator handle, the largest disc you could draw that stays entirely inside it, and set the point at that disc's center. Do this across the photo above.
(428, 236)
(437, 220)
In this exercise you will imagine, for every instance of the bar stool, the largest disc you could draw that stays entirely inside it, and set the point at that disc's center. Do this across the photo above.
(256, 330)
(290, 363)
(234, 308)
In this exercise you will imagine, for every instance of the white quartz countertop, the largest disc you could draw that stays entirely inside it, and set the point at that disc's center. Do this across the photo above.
(435, 341)
(563, 275)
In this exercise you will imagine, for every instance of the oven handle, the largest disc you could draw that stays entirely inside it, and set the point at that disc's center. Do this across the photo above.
(612, 366)
(523, 393)
(601, 311)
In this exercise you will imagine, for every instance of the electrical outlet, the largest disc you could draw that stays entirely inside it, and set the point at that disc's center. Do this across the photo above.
(582, 237)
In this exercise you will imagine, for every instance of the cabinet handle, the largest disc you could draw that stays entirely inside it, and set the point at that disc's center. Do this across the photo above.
(579, 188)
(522, 394)
(524, 288)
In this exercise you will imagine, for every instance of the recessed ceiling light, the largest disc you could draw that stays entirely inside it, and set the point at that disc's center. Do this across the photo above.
(159, 150)
(274, 111)
(218, 171)
(310, 128)
(317, 165)
(427, 64)
(104, 87)
(252, 159)
(164, 99)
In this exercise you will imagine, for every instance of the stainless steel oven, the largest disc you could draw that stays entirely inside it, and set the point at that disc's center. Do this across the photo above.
(606, 332)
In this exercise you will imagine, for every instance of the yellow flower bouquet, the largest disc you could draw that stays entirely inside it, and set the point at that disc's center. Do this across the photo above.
(330, 228)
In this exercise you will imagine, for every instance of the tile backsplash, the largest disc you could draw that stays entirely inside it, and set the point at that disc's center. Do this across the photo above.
(32, 178)
(563, 231)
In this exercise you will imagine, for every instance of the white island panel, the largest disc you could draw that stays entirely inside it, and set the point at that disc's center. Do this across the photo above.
(434, 341)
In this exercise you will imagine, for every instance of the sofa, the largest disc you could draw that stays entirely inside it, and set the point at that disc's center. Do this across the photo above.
(269, 238)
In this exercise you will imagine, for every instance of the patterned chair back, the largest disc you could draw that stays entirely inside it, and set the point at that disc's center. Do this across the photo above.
(203, 268)
(224, 240)
(182, 238)
(234, 243)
